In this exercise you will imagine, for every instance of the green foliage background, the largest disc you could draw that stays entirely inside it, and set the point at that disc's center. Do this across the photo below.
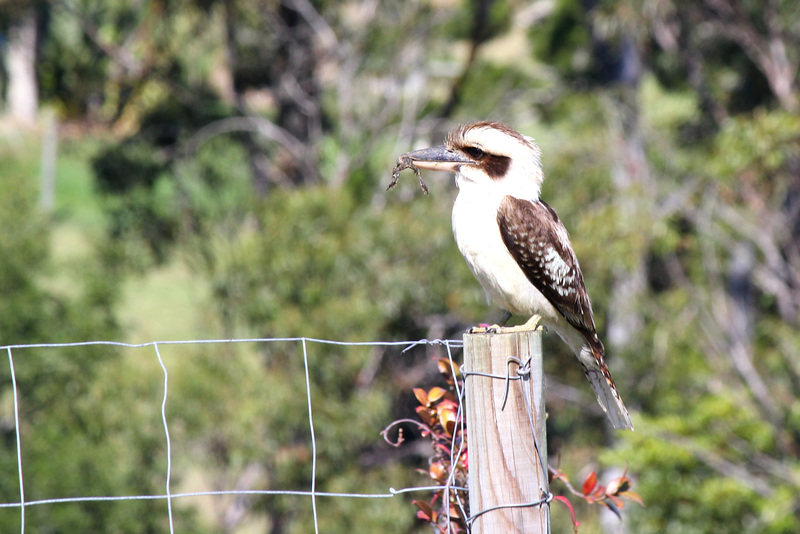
(221, 173)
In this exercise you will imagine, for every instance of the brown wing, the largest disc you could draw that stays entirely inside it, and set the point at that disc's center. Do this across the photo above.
(540, 244)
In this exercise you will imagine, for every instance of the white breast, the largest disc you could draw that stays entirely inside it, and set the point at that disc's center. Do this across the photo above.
(478, 237)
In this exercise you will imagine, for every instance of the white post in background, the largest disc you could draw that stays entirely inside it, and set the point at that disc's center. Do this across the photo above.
(47, 161)
(22, 94)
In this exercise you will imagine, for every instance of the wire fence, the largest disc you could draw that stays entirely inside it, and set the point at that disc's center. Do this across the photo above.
(169, 495)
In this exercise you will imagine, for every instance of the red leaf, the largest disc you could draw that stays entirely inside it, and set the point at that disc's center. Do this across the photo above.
(425, 510)
(442, 447)
(589, 483)
(565, 501)
(619, 503)
(450, 397)
(421, 395)
(425, 415)
(448, 404)
(599, 492)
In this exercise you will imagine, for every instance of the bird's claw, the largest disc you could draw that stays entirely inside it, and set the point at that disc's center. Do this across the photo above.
(483, 328)
(530, 326)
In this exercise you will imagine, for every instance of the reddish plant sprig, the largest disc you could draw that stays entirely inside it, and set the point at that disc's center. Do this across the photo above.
(611, 495)
(440, 420)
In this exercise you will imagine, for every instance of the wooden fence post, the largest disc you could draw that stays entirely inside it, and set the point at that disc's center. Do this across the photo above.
(504, 465)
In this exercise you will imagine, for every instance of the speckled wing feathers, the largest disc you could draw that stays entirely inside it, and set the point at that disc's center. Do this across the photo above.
(540, 245)
(538, 242)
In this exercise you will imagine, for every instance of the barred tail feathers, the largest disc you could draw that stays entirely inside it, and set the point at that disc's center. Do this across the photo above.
(603, 385)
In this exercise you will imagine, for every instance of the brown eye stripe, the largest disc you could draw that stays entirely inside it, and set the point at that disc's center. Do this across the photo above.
(495, 166)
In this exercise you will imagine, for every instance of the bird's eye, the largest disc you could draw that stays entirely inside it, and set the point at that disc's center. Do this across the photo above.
(474, 152)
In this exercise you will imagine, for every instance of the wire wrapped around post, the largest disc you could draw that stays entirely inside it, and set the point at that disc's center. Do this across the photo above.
(507, 440)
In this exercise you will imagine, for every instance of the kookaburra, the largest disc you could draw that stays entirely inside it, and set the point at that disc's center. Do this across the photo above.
(515, 244)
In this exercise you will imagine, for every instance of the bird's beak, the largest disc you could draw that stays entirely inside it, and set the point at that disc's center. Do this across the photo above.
(438, 158)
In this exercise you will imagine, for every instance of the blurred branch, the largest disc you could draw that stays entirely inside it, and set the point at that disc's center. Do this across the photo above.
(296, 83)
(767, 464)
(478, 35)
(780, 278)
(722, 331)
(728, 317)
(320, 26)
(259, 125)
(256, 159)
(768, 52)
(572, 395)
(121, 55)
(719, 464)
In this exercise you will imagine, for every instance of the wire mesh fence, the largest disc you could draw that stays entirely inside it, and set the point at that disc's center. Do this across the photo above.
(26, 462)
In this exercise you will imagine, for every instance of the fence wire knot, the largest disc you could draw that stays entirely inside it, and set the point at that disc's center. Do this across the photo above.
(523, 373)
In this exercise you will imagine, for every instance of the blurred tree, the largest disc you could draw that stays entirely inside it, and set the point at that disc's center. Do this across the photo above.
(254, 137)
(19, 22)
(716, 394)
(76, 441)
(326, 267)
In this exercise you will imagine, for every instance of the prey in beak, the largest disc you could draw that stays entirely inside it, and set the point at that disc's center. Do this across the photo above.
(438, 158)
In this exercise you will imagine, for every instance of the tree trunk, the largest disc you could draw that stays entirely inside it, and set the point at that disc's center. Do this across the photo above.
(22, 99)
(259, 166)
(297, 90)
(634, 195)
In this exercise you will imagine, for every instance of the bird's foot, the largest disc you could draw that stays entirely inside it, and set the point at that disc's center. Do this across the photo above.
(484, 328)
(531, 325)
